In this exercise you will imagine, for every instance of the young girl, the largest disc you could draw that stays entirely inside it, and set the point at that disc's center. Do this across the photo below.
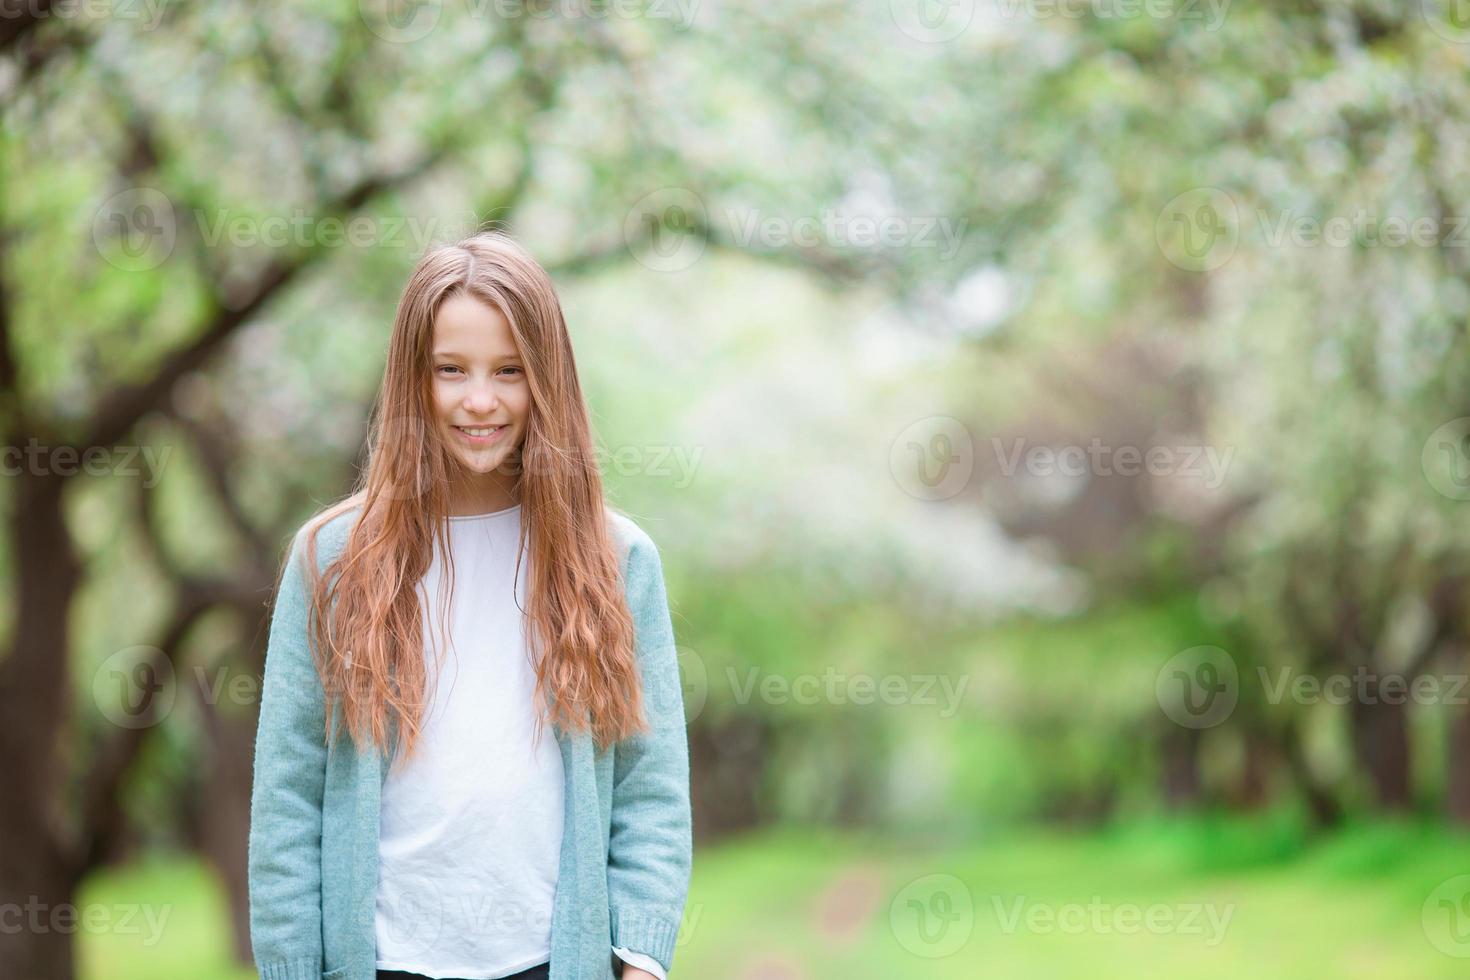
(474, 590)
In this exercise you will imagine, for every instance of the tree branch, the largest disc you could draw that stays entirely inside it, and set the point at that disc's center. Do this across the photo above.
(20, 20)
(121, 409)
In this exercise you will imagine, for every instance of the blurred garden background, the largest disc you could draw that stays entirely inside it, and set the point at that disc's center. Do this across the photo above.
(1053, 415)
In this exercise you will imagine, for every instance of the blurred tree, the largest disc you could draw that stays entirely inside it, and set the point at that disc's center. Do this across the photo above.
(199, 133)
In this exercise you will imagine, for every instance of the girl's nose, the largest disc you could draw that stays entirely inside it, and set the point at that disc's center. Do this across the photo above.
(481, 399)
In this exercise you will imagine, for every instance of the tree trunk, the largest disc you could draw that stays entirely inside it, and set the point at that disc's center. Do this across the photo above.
(726, 764)
(1322, 805)
(1181, 779)
(224, 815)
(1457, 762)
(1252, 791)
(37, 866)
(1381, 743)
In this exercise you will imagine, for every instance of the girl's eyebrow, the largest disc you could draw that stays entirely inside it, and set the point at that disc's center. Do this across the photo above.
(497, 357)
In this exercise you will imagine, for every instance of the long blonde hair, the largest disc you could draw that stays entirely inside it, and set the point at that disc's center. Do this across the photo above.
(365, 625)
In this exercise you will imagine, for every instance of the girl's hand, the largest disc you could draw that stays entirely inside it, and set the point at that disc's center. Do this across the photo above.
(633, 973)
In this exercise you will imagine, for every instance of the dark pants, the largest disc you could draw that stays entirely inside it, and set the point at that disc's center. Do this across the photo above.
(534, 973)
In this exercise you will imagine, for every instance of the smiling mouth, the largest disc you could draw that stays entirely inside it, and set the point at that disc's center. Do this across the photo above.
(481, 431)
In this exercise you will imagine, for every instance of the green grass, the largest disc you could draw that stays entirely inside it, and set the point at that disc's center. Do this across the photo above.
(167, 919)
(1229, 899)
(1348, 908)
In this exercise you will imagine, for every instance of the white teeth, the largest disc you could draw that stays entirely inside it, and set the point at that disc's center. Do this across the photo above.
(479, 432)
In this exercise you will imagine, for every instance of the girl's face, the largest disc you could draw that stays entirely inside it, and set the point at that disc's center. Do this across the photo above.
(480, 390)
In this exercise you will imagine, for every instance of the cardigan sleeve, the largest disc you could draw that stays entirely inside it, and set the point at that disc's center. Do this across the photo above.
(650, 835)
(284, 863)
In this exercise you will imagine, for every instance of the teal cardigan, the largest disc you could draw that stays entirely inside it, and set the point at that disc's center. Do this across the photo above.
(314, 817)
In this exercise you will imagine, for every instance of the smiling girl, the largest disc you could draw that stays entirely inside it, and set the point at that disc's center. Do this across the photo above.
(446, 837)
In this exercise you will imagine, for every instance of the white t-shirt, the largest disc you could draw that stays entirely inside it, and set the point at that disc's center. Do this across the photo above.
(471, 826)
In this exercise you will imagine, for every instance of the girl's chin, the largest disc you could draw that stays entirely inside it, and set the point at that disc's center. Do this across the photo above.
(483, 463)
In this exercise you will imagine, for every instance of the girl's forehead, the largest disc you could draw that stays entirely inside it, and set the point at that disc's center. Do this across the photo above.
(465, 325)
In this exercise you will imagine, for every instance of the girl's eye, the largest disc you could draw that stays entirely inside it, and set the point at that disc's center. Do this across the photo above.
(451, 367)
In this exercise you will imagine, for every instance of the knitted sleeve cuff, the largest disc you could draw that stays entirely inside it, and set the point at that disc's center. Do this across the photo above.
(302, 968)
(645, 932)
